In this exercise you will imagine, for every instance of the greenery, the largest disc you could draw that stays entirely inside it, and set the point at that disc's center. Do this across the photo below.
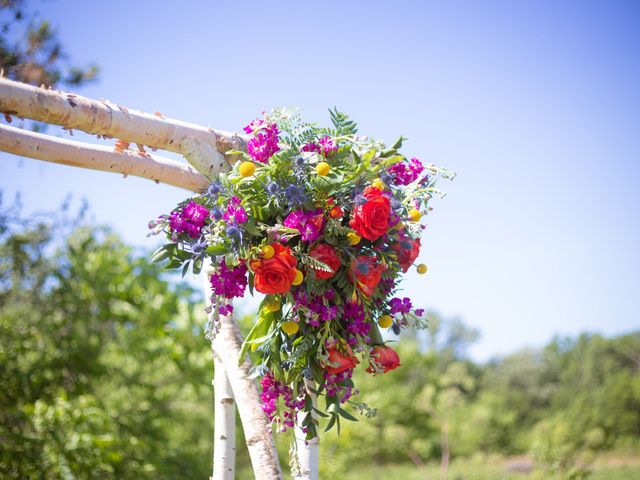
(31, 52)
(105, 373)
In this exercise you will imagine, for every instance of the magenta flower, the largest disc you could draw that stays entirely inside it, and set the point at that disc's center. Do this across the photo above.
(310, 147)
(235, 213)
(272, 390)
(264, 142)
(327, 146)
(190, 220)
(406, 172)
(400, 306)
(309, 224)
(229, 283)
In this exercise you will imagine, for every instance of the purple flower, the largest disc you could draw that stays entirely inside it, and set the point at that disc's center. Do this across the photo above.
(419, 312)
(272, 390)
(406, 172)
(264, 142)
(328, 313)
(309, 224)
(310, 147)
(190, 220)
(400, 306)
(229, 283)
(235, 213)
(327, 146)
(225, 310)
(253, 126)
(336, 385)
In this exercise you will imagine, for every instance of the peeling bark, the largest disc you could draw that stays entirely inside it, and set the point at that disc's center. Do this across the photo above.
(98, 157)
(111, 120)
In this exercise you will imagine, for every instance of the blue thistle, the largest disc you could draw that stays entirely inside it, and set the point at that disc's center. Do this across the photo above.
(214, 189)
(273, 188)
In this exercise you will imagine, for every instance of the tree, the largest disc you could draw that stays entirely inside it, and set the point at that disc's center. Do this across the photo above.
(31, 52)
(104, 371)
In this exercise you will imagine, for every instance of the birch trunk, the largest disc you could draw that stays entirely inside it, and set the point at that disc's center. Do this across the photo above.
(224, 411)
(111, 120)
(99, 157)
(224, 441)
(262, 450)
(307, 451)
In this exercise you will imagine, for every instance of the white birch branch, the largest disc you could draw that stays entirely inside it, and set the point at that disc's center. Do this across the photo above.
(307, 451)
(98, 157)
(112, 120)
(262, 450)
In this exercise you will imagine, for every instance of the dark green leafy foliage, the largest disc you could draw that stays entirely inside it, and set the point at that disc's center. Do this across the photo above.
(104, 371)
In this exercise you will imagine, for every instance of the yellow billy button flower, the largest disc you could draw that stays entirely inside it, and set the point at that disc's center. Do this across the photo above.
(247, 169)
(385, 321)
(299, 278)
(323, 169)
(353, 238)
(271, 304)
(267, 252)
(422, 269)
(414, 215)
(290, 328)
(377, 183)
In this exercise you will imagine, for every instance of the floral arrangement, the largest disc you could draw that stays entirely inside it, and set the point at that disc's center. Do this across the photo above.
(324, 223)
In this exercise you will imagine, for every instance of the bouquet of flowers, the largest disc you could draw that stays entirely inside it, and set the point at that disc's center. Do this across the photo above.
(324, 223)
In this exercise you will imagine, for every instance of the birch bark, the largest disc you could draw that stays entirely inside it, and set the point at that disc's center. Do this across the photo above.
(226, 346)
(307, 451)
(115, 121)
(99, 157)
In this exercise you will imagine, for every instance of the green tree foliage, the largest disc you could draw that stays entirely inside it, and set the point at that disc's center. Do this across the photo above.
(31, 52)
(104, 371)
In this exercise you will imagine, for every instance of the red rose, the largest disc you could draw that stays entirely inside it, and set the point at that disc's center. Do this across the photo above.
(274, 275)
(340, 361)
(385, 358)
(367, 272)
(327, 255)
(407, 250)
(370, 219)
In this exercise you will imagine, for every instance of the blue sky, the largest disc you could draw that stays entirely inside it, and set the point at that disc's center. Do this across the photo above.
(536, 105)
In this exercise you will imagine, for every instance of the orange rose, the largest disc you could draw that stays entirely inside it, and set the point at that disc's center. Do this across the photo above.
(366, 272)
(340, 361)
(275, 274)
(385, 357)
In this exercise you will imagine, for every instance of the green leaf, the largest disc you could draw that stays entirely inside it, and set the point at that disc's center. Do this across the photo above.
(346, 415)
(331, 423)
(185, 269)
(197, 265)
(162, 253)
(215, 250)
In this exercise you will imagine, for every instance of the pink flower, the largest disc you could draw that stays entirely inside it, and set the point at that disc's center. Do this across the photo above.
(327, 146)
(190, 220)
(309, 224)
(264, 142)
(406, 172)
(229, 282)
